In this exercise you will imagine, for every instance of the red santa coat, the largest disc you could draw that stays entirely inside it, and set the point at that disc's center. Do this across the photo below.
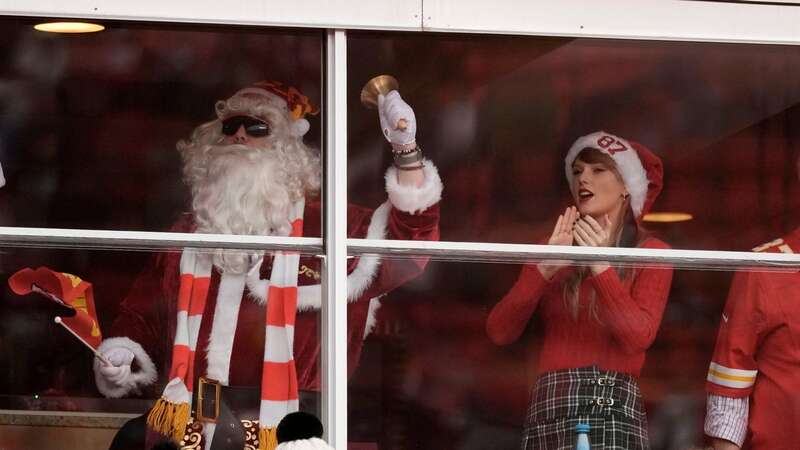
(758, 350)
(147, 317)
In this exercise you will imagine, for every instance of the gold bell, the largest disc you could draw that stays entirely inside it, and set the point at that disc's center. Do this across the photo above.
(380, 85)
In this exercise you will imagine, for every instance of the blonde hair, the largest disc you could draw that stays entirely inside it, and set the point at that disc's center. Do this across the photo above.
(626, 234)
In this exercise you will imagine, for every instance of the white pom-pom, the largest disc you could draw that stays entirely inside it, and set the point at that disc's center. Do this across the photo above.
(299, 127)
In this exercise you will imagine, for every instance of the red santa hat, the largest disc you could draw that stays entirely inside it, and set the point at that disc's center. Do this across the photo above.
(641, 170)
(288, 99)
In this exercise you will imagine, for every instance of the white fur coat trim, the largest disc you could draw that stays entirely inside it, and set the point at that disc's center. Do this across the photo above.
(413, 199)
(146, 375)
(310, 297)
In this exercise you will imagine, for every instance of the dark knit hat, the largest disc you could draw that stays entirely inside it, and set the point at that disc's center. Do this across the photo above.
(299, 425)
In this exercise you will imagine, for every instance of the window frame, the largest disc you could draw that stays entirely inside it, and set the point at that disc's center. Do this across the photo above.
(671, 20)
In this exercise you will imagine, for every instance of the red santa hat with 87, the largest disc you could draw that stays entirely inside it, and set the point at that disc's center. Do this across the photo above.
(287, 99)
(641, 170)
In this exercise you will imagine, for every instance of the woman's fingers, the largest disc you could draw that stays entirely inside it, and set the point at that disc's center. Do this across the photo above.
(579, 239)
(572, 215)
(593, 224)
(581, 224)
(600, 236)
(558, 229)
(583, 234)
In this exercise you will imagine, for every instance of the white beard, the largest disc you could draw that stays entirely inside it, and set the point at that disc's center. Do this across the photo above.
(244, 191)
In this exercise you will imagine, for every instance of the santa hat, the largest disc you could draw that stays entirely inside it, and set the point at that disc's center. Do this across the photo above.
(288, 99)
(641, 170)
(300, 431)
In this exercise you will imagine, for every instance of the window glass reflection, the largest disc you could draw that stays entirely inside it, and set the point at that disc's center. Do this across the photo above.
(498, 113)
(89, 123)
(184, 335)
(431, 374)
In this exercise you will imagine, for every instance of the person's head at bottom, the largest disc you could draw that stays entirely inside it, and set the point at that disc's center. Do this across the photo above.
(300, 431)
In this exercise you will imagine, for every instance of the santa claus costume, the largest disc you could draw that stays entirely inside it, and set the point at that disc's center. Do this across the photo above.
(754, 377)
(593, 348)
(231, 339)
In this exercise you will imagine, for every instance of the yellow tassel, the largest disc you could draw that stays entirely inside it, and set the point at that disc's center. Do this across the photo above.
(179, 421)
(267, 438)
(156, 419)
(169, 419)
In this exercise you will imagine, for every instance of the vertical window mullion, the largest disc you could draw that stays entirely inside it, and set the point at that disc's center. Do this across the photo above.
(334, 313)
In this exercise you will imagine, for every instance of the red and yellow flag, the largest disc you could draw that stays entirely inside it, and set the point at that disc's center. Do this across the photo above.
(67, 290)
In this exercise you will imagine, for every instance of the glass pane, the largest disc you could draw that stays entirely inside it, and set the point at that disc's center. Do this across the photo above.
(498, 114)
(55, 393)
(90, 123)
(455, 357)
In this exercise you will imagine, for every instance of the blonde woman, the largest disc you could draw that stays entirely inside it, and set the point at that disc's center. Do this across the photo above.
(598, 319)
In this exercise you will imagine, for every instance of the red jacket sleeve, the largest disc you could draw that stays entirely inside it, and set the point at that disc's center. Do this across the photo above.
(510, 316)
(634, 314)
(394, 271)
(147, 313)
(733, 367)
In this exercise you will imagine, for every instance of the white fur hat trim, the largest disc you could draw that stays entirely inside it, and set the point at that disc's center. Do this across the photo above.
(305, 444)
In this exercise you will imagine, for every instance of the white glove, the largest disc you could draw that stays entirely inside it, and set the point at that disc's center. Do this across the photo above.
(121, 358)
(392, 108)
(117, 380)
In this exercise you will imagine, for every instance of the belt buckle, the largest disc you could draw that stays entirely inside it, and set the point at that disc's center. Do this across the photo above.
(605, 381)
(201, 396)
(601, 402)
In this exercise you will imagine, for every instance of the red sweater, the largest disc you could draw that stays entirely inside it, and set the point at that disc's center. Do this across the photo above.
(630, 312)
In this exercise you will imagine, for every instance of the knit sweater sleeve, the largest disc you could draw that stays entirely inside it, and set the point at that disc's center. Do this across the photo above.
(634, 314)
(509, 317)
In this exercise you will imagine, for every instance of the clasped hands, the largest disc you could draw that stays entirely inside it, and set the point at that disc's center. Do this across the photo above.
(586, 231)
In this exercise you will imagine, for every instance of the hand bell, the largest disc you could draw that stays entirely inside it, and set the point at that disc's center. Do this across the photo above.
(380, 85)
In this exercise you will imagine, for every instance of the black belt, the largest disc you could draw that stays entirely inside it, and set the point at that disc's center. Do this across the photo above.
(227, 406)
(212, 398)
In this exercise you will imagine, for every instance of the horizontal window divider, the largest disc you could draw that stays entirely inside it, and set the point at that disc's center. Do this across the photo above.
(629, 257)
(150, 240)
(439, 250)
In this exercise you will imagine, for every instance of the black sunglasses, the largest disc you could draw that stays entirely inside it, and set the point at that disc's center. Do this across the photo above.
(252, 126)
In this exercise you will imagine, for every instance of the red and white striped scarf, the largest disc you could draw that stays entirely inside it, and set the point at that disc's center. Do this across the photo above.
(279, 393)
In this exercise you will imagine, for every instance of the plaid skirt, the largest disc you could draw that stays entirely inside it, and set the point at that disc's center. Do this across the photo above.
(610, 402)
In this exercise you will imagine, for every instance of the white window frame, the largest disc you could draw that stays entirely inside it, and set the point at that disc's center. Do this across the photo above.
(678, 20)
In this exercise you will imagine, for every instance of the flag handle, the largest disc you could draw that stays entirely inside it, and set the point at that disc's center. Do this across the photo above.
(96, 353)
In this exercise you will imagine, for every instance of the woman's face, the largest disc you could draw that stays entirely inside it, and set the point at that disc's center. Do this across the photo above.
(597, 189)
